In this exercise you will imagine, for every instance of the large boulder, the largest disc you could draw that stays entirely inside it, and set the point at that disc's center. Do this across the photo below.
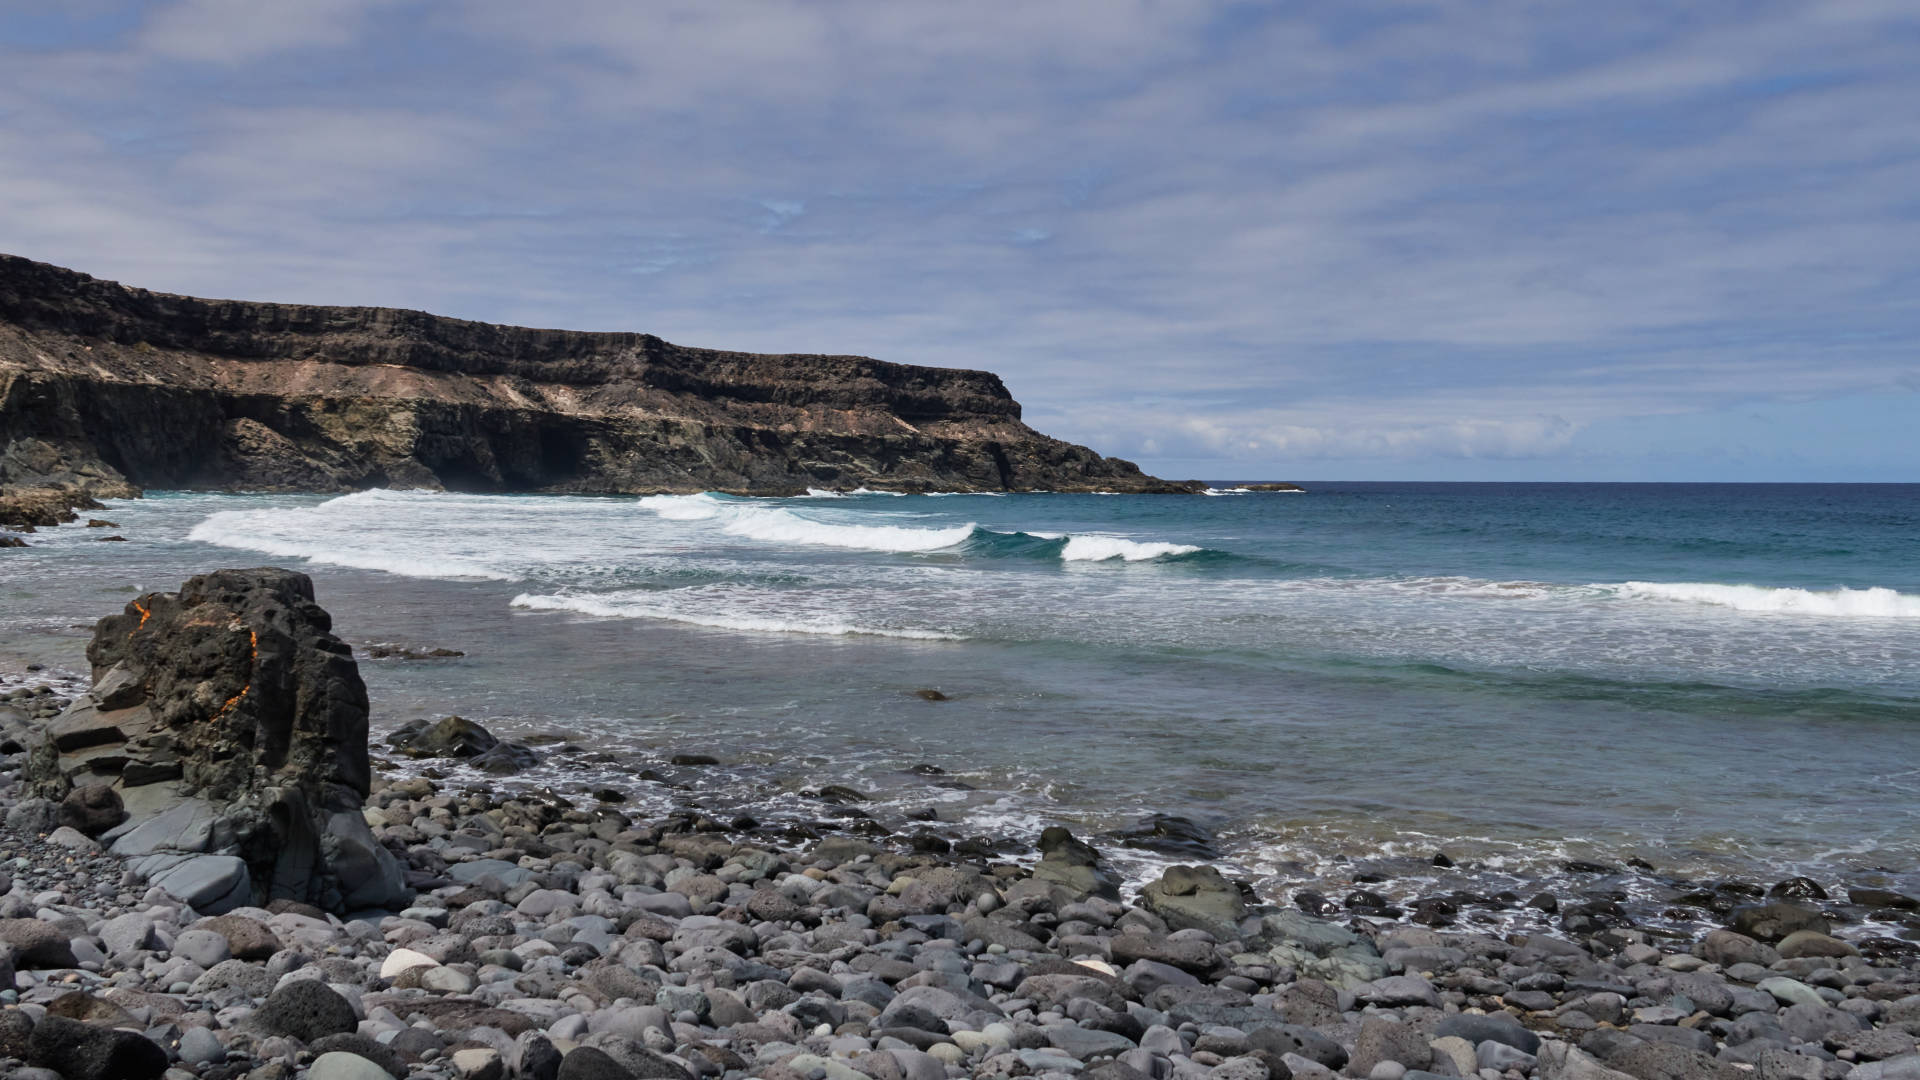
(229, 722)
(1196, 898)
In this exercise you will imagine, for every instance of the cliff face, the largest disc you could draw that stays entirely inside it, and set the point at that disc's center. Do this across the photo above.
(104, 389)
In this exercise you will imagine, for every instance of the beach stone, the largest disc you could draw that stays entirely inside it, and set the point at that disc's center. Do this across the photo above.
(306, 1009)
(534, 1057)
(479, 1063)
(1806, 943)
(1666, 1061)
(506, 873)
(1728, 947)
(1388, 1040)
(1904, 1067)
(37, 944)
(1196, 898)
(1775, 920)
(340, 1065)
(1454, 1051)
(1401, 990)
(1491, 1027)
(127, 933)
(92, 809)
(80, 1051)
(203, 947)
(200, 1046)
(1074, 865)
(387, 1057)
(1299, 1041)
(400, 960)
(72, 839)
(1560, 1061)
(34, 816)
(587, 1063)
(251, 979)
(1790, 991)
(1086, 1044)
(247, 938)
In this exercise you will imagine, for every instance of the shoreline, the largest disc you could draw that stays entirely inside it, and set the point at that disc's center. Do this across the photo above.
(1462, 881)
(546, 925)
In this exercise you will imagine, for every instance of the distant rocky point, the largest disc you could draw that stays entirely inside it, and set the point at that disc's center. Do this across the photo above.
(106, 389)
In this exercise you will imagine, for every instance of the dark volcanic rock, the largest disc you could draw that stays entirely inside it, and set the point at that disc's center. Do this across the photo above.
(453, 737)
(306, 1009)
(241, 721)
(104, 387)
(92, 809)
(80, 1051)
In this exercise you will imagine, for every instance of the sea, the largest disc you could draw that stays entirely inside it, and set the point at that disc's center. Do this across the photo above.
(1615, 691)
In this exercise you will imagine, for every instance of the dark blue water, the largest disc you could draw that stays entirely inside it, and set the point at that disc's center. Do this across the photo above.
(1722, 680)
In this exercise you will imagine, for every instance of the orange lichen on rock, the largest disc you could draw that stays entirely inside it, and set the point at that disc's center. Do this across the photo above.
(253, 653)
(145, 614)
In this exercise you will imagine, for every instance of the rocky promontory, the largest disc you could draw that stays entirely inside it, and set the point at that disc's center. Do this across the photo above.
(106, 389)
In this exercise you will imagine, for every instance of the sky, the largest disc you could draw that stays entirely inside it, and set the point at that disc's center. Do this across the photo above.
(1343, 240)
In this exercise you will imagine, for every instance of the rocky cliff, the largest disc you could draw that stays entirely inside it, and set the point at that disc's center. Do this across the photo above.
(105, 389)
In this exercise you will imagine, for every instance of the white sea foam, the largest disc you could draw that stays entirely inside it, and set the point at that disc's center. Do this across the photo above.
(779, 526)
(616, 608)
(1871, 603)
(870, 491)
(1228, 491)
(1102, 548)
(315, 533)
(684, 507)
(823, 493)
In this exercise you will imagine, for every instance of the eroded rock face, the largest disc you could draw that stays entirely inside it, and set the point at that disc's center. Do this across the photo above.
(231, 724)
(103, 387)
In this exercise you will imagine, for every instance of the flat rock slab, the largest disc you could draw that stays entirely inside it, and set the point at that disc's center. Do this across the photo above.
(210, 884)
(186, 826)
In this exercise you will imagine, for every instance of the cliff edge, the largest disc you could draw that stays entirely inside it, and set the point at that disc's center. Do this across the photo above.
(106, 389)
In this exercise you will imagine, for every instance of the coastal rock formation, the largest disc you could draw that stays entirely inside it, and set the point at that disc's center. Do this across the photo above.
(105, 389)
(223, 744)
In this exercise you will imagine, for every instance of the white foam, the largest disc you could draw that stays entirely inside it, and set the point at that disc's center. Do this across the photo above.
(782, 527)
(684, 507)
(1228, 491)
(609, 607)
(778, 526)
(870, 491)
(312, 533)
(823, 493)
(1102, 548)
(1870, 603)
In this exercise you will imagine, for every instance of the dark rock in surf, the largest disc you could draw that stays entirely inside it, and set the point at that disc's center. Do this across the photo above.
(1173, 835)
(451, 737)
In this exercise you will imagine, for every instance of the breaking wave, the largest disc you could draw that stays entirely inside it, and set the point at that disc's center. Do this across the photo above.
(1870, 603)
(618, 607)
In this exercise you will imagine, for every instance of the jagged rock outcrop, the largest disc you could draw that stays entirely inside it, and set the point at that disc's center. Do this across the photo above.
(231, 725)
(105, 388)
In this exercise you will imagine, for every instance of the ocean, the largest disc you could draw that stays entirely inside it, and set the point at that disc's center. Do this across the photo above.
(1681, 683)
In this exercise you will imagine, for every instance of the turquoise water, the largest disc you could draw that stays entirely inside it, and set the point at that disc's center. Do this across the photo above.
(1720, 680)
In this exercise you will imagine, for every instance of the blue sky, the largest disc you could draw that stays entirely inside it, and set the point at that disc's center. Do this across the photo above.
(1350, 239)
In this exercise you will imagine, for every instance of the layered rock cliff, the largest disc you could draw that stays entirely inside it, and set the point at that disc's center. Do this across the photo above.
(105, 388)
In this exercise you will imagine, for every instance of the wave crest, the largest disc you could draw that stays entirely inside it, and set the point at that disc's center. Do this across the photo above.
(1869, 603)
(614, 607)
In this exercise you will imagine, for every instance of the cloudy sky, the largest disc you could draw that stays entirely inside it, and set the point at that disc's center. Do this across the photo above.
(1342, 239)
